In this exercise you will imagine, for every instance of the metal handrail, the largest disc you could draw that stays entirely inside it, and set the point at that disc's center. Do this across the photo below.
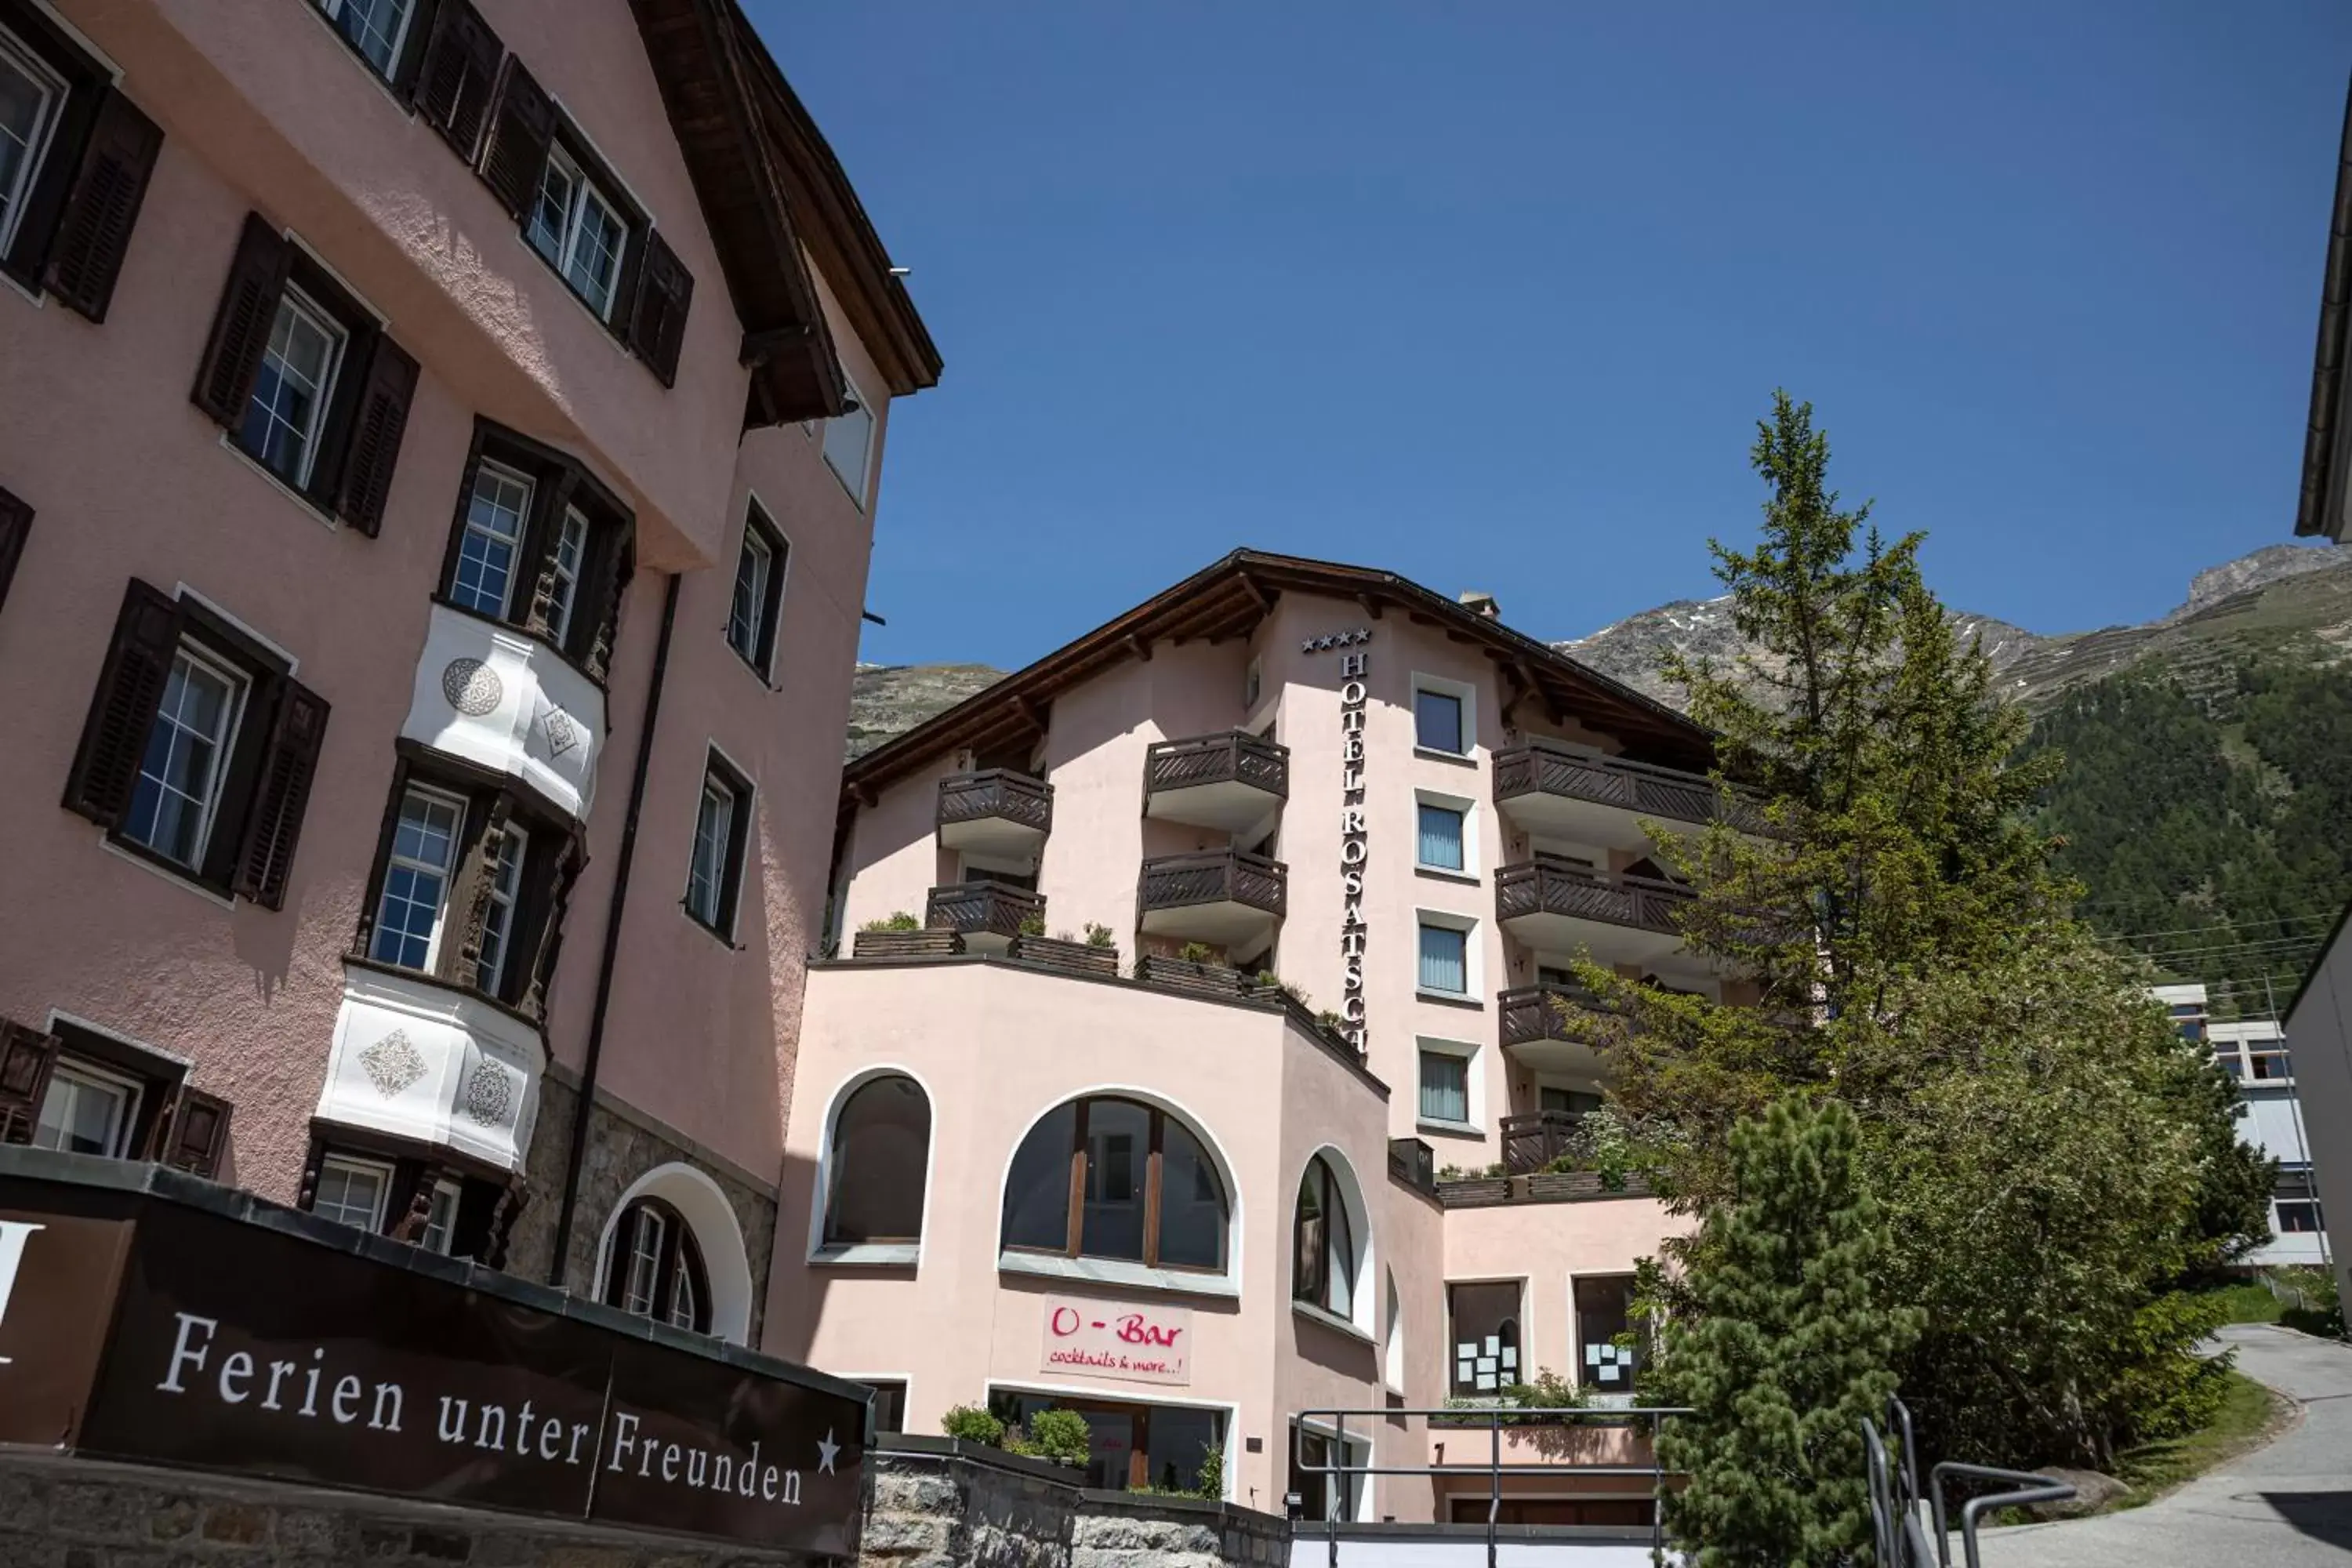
(1498, 1416)
(1902, 1541)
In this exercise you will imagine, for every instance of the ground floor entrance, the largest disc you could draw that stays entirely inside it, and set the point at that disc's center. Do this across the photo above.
(1131, 1443)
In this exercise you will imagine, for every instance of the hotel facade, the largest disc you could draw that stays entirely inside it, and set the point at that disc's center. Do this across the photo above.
(1201, 985)
(437, 458)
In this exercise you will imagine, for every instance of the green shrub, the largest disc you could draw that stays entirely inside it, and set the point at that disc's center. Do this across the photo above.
(1212, 1484)
(1060, 1436)
(897, 921)
(1197, 952)
(974, 1425)
(1100, 935)
(1034, 923)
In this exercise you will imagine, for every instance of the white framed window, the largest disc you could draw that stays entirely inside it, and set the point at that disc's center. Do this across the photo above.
(579, 231)
(1452, 1083)
(647, 1230)
(571, 548)
(292, 389)
(177, 797)
(497, 920)
(1444, 716)
(416, 880)
(758, 601)
(1446, 956)
(351, 1191)
(376, 28)
(494, 514)
(849, 445)
(1252, 685)
(441, 1219)
(87, 1110)
(31, 96)
(1442, 839)
(721, 823)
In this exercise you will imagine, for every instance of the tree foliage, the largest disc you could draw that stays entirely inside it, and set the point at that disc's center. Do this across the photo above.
(2051, 1157)
(1787, 1349)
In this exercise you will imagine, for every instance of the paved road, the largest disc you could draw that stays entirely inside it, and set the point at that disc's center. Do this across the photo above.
(2288, 1505)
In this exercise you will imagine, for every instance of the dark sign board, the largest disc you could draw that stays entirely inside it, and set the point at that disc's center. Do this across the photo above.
(147, 1322)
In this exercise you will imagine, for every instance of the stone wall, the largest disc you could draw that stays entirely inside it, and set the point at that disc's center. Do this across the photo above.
(620, 1148)
(936, 1501)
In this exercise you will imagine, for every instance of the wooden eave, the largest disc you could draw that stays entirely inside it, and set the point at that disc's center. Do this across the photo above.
(1231, 599)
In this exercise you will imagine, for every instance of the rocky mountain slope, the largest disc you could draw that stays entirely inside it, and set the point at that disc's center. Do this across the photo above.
(886, 700)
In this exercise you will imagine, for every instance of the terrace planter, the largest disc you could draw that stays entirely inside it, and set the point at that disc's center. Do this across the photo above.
(1054, 952)
(1185, 974)
(905, 944)
(1476, 1190)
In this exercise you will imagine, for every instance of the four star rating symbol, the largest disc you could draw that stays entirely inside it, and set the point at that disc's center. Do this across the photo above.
(825, 1450)
(1336, 639)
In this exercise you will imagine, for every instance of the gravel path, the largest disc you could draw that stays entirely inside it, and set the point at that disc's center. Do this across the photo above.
(2286, 1505)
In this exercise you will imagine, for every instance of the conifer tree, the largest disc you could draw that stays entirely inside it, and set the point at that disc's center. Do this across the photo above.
(1787, 1351)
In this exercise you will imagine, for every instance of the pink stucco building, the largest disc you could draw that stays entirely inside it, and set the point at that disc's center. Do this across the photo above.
(437, 459)
(1059, 1136)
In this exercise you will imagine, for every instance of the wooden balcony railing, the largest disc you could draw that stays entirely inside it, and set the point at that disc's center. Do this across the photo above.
(1547, 885)
(996, 793)
(1535, 1140)
(981, 909)
(1534, 1011)
(1543, 768)
(1215, 877)
(1234, 757)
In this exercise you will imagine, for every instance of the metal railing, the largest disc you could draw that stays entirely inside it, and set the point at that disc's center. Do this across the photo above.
(1900, 1536)
(1332, 1425)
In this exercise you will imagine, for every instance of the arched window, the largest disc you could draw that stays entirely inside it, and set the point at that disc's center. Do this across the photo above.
(1119, 1178)
(874, 1183)
(657, 1269)
(1322, 1242)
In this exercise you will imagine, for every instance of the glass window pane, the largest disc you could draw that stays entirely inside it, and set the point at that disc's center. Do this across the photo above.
(1340, 1266)
(593, 266)
(350, 1193)
(848, 441)
(484, 581)
(570, 547)
(1602, 1314)
(417, 880)
(1444, 959)
(1118, 1151)
(1191, 1202)
(441, 1222)
(27, 97)
(707, 874)
(747, 616)
(1444, 1087)
(551, 216)
(881, 1142)
(1037, 1191)
(1180, 1438)
(1484, 1328)
(1438, 721)
(1441, 837)
(171, 805)
(83, 1114)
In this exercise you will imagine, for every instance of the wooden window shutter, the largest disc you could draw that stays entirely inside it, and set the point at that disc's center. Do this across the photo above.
(26, 1058)
(377, 425)
(459, 70)
(612, 583)
(281, 791)
(15, 523)
(102, 206)
(562, 876)
(248, 308)
(199, 1133)
(657, 319)
(522, 128)
(130, 685)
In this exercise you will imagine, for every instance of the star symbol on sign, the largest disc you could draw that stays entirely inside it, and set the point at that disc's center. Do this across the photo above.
(1306, 646)
(825, 1450)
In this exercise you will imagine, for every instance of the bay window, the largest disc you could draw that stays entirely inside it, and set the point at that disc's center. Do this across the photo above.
(539, 544)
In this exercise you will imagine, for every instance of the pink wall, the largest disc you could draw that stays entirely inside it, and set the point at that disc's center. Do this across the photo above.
(1548, 1246)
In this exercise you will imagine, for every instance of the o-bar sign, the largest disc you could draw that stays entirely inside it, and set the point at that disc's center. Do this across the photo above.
(1097, 1339)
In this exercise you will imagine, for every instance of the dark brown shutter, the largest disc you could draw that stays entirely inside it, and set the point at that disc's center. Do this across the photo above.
(454, 84)
(199, 1134)
(611, 584)
(249, 307)
(657, 319)
(26, 1058)
(522, 128)
(102, 206)
(280, 792)
(130, 685)
(377, 425)
(562, 873)
(15, 523)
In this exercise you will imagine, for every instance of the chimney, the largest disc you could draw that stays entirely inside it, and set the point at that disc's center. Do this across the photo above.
(1480, 604)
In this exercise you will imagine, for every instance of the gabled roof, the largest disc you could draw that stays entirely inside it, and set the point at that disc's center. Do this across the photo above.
(1228, 600)
(768, 184)
(2321, 508)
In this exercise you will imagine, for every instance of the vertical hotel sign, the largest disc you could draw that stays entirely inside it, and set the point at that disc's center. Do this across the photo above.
(1354, 845)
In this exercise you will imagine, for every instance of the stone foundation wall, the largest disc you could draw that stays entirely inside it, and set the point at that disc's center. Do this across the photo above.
(620, 1150)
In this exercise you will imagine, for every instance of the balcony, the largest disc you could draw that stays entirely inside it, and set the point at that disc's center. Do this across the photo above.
(1532, 1141)
(1223, 898)
(1233, 783)
(1537, 1033)
(417, 1059)
(987, 915)
(997, 815)
(1550, 790)
(1558, 905)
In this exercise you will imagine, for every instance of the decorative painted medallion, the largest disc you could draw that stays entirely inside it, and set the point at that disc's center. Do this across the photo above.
(489, 1095)
(562, 732)
(472, 687)
(393, 1063)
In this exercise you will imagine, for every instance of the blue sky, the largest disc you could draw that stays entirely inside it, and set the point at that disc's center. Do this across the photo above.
(1492, 294)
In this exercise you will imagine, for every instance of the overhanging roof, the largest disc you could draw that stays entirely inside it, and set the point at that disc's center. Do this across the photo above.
(2326, 465)
(1228, 600)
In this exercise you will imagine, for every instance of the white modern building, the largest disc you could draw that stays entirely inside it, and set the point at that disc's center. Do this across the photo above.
(2254, 1052)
